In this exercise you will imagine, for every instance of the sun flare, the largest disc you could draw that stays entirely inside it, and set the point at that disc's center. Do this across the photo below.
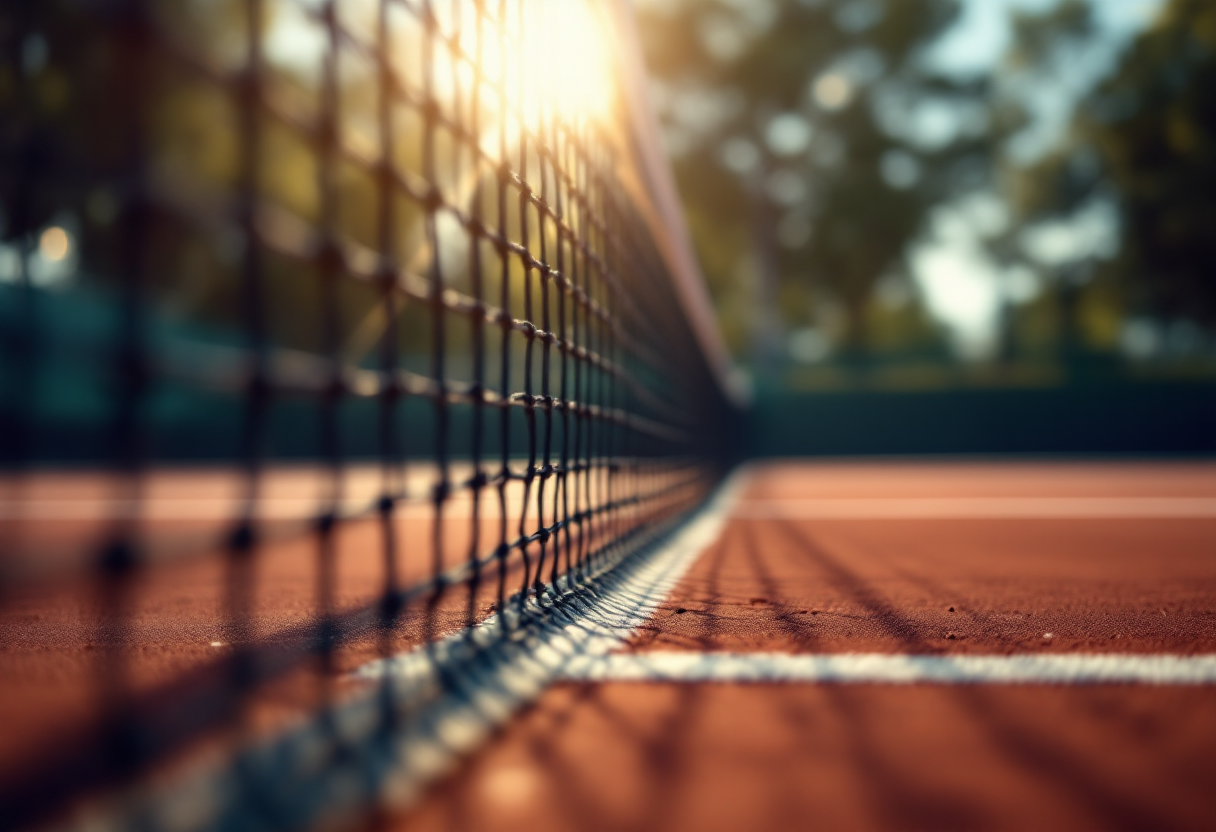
(556, 56)
(565, 57)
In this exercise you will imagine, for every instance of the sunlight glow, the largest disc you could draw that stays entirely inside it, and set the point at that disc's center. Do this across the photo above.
(563, 61)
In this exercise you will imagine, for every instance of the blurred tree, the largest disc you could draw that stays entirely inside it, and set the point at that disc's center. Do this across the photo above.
(68, 115)
(811, 141)
(1143, 144)
(1037, 72)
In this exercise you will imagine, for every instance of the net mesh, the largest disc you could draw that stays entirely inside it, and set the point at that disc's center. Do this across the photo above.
(330, 330)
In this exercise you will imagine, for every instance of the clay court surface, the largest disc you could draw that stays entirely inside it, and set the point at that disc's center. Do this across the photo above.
(814, 558)
(822, 558)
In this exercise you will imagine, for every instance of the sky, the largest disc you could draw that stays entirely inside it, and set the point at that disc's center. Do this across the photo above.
(981, 33)
(961, 286)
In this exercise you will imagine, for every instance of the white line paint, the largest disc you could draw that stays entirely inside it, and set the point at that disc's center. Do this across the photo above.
(870, 668)
(625, 602)
(625, 599)
(979, 508)
(491, 674)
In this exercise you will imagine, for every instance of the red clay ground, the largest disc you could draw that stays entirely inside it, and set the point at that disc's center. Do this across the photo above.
(730, 757)
(938, 586)
(663, 757)
(723, 756)
(63, 641)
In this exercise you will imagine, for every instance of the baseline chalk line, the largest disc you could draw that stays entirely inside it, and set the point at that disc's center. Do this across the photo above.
(881, 668)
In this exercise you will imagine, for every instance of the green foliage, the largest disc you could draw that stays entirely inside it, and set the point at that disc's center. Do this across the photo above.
(1153, 123)
(1144, 141)
(833, 205)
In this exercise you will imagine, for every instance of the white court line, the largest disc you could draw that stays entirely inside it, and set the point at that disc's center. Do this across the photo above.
(574, 643)
(979, 508)
(496, 672)
(601, 622)
(870, 668)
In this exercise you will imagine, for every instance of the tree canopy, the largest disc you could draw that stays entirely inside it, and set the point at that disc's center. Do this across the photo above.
(806, 147)
(814, 144)
(1145, 142)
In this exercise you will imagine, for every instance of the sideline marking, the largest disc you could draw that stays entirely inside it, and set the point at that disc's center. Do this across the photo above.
(978, 508)
(449, 696)
(884, 668)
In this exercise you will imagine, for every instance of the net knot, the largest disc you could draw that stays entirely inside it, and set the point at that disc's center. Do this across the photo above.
(432, 200)
(335, 387)
(440, 491)
(328, 256)
(242, 538)
(476, 227)
(118, 558)
(259, 385)
(326, 521)
(391, 605)
(386, 275)
(430, 110)
(391, 387)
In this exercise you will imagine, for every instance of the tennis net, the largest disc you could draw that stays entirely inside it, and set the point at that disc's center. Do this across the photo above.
(331, 330)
